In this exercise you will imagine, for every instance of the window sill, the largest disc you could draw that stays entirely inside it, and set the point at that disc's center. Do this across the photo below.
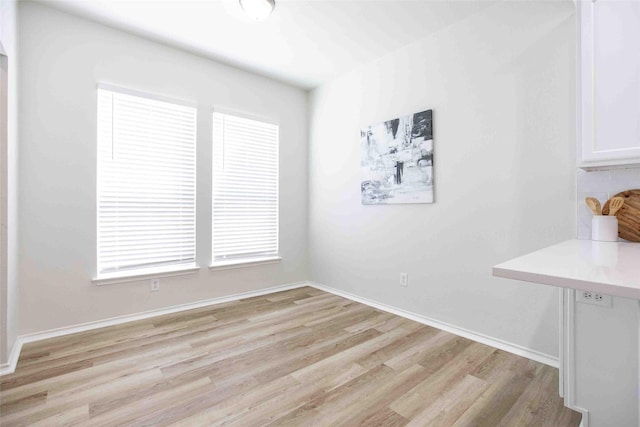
(137, 275)
(246, 262)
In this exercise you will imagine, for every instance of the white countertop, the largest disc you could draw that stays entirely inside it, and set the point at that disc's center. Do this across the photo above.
(611, 268)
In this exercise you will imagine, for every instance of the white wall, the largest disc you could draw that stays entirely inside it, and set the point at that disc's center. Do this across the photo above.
(62, 58)
(8, 184)
(501, 84)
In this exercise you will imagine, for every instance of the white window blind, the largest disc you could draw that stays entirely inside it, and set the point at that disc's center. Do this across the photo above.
(245, 188)
(146, 183)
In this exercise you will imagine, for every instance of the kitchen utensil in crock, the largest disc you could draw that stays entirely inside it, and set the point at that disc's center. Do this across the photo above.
(615, 204)
(594, 205)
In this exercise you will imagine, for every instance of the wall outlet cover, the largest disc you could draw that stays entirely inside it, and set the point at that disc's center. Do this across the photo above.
(593, 298)
(404, 279)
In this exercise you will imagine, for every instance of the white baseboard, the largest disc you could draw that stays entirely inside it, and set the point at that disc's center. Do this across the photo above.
(10, 367)
(584, 422)
(475, 336)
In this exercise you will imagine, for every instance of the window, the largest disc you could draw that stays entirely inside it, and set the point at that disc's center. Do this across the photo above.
(146, 183)
(245, 189)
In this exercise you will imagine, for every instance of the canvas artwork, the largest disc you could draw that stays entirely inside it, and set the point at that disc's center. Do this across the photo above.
(397, 160)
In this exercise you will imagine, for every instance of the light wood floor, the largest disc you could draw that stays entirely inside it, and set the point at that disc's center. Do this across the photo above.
(300, 357)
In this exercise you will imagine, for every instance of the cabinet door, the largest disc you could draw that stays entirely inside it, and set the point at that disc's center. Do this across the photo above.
(610, 80)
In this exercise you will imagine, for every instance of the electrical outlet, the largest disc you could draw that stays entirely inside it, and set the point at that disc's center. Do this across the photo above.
(404, 279)
(155, 285)
(594, 298)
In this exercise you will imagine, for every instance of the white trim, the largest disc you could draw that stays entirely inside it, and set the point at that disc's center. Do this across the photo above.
(561, 333)
(481, 338)
(245, 115)
(67, 330)
(584, 422)
(569, 351)
(53, 333)
(570, 342)
(12, 362)
(143, 274)
(243, 262)
(484, 339)
(4, 226)
(156, 97)
(602, 165)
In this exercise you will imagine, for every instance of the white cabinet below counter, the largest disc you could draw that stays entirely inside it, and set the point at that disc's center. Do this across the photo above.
(599, 344)
(609, 83)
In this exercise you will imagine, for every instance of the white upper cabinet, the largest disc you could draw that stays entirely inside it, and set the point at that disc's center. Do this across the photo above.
(609, 83)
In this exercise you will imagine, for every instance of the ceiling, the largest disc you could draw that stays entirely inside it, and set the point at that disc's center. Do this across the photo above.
(303, 42)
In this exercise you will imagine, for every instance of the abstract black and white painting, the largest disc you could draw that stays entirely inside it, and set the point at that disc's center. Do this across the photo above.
(397, 160)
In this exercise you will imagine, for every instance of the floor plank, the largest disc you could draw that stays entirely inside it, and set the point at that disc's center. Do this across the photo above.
(298, 357)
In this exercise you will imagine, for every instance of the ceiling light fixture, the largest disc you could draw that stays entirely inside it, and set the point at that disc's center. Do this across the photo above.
(258, 10)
